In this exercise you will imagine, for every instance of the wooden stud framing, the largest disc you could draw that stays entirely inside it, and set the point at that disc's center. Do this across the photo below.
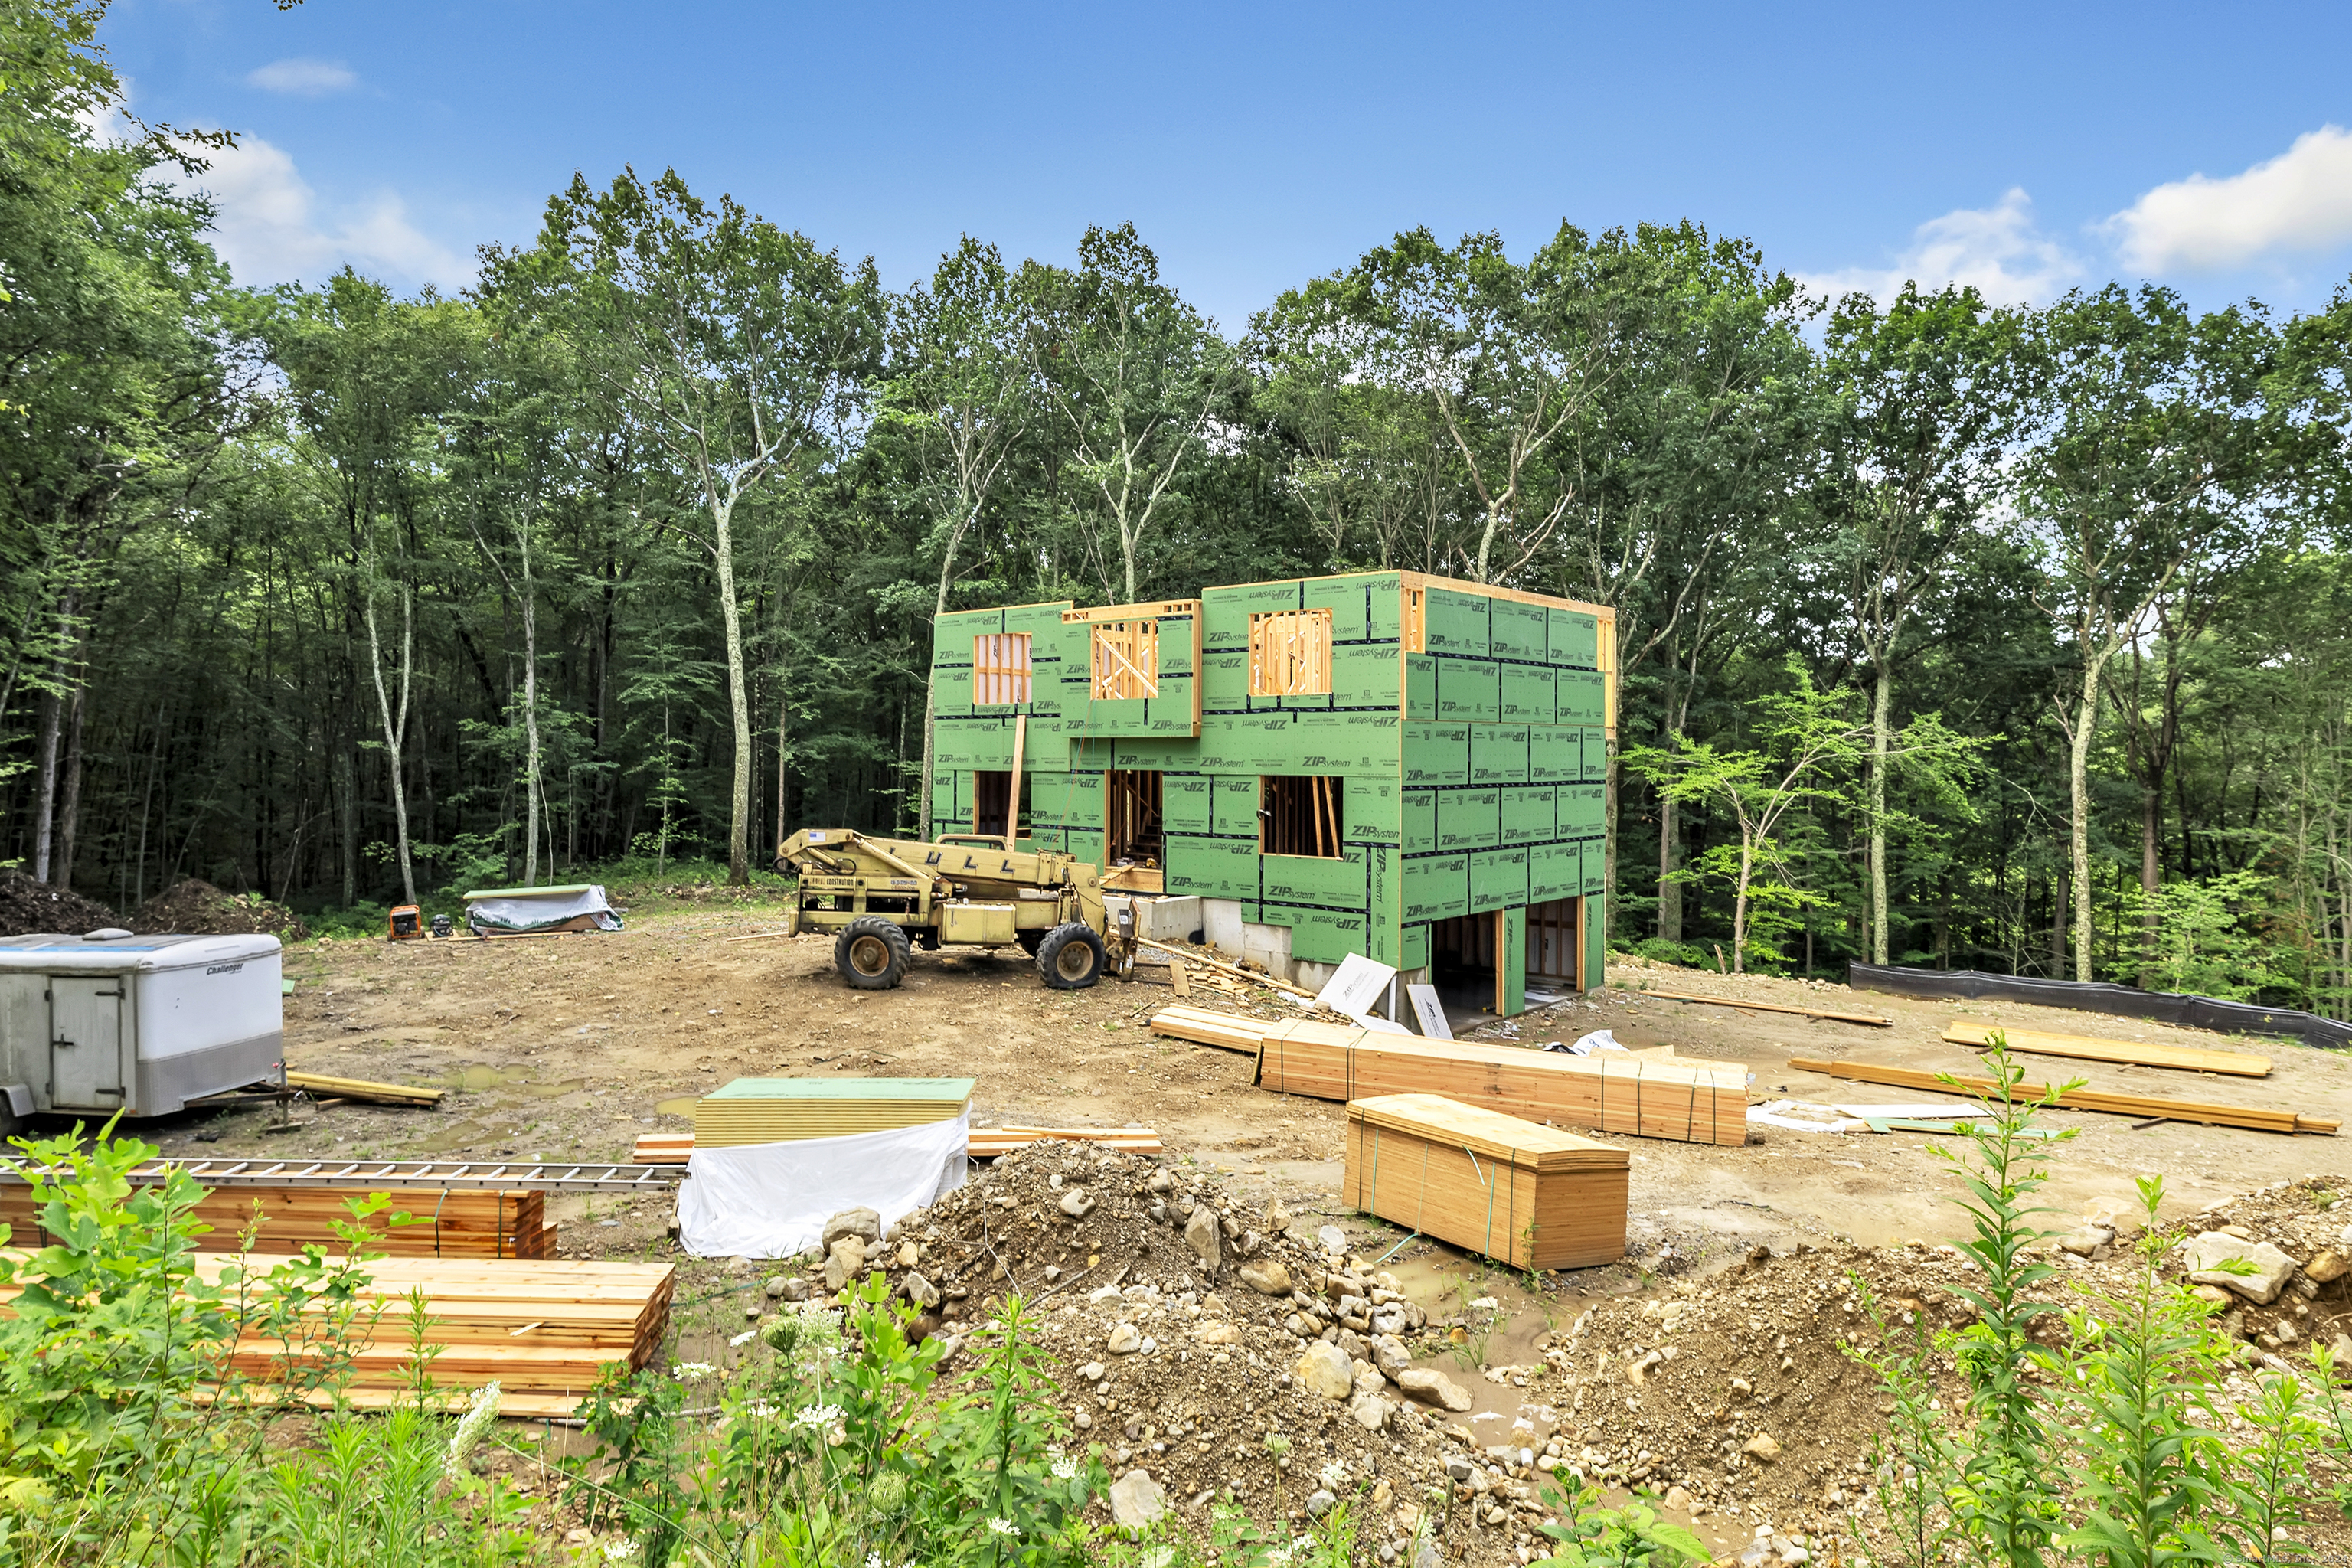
(1416, 620)
(1290, 654)
(1124, 661)
(1000, 669)
(1294, 817)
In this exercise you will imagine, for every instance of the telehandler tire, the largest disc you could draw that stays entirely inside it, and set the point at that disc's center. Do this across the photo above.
(872, 953)
(1071, 957)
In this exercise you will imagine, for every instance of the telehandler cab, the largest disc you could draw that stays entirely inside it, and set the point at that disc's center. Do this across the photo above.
(888, 896)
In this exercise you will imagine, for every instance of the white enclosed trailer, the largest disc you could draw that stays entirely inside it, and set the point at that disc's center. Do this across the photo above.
(137, 1023)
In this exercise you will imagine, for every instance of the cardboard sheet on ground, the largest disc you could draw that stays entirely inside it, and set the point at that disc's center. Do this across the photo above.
(1430, 1011)
(772, 1200)
(1355, 985)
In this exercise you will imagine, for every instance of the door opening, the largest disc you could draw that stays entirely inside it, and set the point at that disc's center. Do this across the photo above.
(1556, 943)
(991, 792)
(1131, 824)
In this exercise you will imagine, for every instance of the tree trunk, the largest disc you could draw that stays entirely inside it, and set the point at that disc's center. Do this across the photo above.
(1670, 892)
(346, 792)
(2151, 874)
(44, 782)
(395, 732)
(2078, 793)
(1882, 723)
(739, 847)
(2058, 886)
(530, 782)
(1740, 910)
(69, 807)
(939, 609)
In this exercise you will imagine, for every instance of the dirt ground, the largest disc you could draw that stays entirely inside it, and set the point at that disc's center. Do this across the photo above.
(565, 1048)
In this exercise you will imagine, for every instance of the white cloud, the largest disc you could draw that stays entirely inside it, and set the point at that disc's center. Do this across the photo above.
(1996, 248)
(303, 78)
(269, 231)
(2300, 200)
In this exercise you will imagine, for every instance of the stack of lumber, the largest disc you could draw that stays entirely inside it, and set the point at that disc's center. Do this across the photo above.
(1683, 1099)
(2106, 1100)
(981, 1143)
(786, 1110)
(1525, 1195)
(455, 1222)
(544, 1332)
(2132, 1052)
(1203, 1027)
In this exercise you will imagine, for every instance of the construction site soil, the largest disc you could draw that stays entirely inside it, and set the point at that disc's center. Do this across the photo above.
(1721, 1327)
(200, 909)
(29, 908)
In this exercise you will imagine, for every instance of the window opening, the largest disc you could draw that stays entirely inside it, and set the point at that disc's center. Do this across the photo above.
(1000, 669)
(991, 791)
(1416, 620)
(1126, 661)
(1290, 654)
(1299, 815)
(1131, 822)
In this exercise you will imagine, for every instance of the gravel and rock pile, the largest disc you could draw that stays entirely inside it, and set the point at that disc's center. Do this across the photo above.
(1220, 1351)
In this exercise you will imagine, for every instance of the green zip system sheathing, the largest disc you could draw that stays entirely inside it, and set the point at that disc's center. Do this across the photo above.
(1468, 730)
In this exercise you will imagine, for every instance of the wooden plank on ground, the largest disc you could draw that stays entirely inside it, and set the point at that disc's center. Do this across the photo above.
(2103, 1101)
(2134, 1053)
(1870, 1018)
(1227, 1031)
(362, 1090)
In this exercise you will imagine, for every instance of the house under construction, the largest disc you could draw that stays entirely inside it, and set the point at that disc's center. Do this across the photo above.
(1399, 765)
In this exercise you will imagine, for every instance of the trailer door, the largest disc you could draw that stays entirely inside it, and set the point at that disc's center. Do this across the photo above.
(86, 1041)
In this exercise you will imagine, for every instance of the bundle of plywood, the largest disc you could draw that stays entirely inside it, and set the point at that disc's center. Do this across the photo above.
(1679, 1098)
(1202, 1027)
(451, 1221)
(786, 1110)
(544, 1332)
(1525, 1195)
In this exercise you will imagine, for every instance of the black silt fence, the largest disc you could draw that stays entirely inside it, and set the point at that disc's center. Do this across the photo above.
(2099, 996)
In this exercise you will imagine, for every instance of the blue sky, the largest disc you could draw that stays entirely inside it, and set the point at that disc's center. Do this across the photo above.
(2024, 148)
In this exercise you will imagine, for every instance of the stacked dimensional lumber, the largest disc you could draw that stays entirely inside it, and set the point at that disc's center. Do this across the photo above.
(1202, 1027)
(981, 1143)
(2106, 1100)
(451, 1221)
(1529, 1196)
(786, 1110)
(544, 1332)
(2133, 1053)
(1685, 1099)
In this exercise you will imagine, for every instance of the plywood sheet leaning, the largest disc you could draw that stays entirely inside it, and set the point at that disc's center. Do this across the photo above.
(1687, 1100)
(1529, 1196)
(545, 1331)
(2113, 1104)
(2133, 1053)
(786, 1110)
(450, 1223)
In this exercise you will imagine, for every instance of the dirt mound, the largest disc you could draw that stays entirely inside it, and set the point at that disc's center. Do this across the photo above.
(199, 909)
(27, 907)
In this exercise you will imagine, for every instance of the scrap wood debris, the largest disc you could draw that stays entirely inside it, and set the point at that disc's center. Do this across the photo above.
(2104, 1100)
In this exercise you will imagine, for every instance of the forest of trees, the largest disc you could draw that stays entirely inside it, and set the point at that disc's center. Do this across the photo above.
(2016, 638)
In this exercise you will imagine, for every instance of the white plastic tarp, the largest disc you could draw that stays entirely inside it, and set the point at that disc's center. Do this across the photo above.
(535, 913)
(772, 1200)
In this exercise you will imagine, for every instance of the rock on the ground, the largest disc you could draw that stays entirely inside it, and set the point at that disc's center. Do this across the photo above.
(2271, 1269)
(1371, 1412)
(1334, 1240)
(1319, 1502)
(2086, 1241)
(1137, 1501)
(1368, 1379)
(864, 1224)
(1075, 1204)
(1267, 1276)
(2327, 1268)
(1201, 1233)
(1678, 1501)
(842, 1259)
(1389, 1353)
(1126, 1339)
(1325, 1369)
(1763, 1447)
(1432, 1387)
(919, 1290)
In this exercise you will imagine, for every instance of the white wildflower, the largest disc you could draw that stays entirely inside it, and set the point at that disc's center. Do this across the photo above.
(1335, 1475)
(620, 1550)
(740, 1340)
(477, 1419)
(817, 1418)
(873, 1559)
(688, 1370)
(1066, 1469)
(1002, 1527)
